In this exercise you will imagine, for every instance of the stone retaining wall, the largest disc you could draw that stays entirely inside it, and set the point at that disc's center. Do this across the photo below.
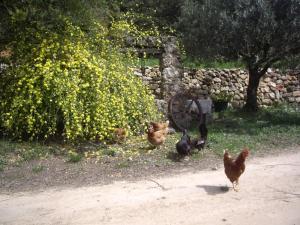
(274, 87)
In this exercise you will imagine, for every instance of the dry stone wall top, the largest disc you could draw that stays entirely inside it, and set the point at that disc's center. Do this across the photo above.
(275, 86)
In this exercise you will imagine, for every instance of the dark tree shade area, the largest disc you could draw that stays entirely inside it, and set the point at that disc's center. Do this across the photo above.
(258, 32)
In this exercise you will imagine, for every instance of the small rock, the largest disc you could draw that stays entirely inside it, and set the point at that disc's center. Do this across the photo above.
(263, 84)
(279, 82)
(296, 93)
(244, 77)
(272, 84)
(217, 80)
(291, 99)
(272, 95)
(267, 101)
(139, 74)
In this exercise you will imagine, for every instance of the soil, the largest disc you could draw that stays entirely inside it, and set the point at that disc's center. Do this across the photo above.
(56, 172)
(186, 192)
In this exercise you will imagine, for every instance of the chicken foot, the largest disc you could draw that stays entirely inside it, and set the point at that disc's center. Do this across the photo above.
(235, 185)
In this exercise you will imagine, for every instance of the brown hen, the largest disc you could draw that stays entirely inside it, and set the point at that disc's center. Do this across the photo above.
(234, 168)
(120, 135)
(159, 125)
(157, 138)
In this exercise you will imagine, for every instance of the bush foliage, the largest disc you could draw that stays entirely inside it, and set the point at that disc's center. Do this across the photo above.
(68, 83)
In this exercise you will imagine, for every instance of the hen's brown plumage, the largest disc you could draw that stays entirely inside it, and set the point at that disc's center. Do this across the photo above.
(159, 126)
(235, 167)
(157, 137)
(120, 134)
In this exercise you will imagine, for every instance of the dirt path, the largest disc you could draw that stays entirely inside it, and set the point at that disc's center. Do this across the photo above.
(270, 193)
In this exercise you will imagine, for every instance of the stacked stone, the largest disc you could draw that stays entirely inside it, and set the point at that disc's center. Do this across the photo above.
(274, 87)
(214, 81)
(291, 82)
(278, 87)
(151, 78)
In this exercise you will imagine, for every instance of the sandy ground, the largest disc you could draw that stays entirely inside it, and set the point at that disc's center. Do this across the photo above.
(269, 194)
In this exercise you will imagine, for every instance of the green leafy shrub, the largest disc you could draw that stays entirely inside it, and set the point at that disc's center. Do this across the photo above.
(71, 84)
(223, 96)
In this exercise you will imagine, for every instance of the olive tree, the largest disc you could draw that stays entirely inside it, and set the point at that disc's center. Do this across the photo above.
(260, 32)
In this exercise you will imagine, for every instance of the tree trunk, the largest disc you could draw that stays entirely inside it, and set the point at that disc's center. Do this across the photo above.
(251, 101)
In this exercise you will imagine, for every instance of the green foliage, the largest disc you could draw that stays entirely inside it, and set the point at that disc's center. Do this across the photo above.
(160, 13)
(2, 163)
(257, 32)
(222, 96)
(71, 84)
(74, 157)
(13, 153)
(291, 62)
(109, 152)
(16, 15)
(37, 169)
(199, 25)
(276, 127)
(219, 64)
(261, 32)
(150, 62)
(271, 128)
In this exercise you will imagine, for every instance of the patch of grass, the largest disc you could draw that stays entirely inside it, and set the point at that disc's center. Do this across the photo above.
(269, 128)
(121, 165)
(74, 157)
(288, 63)
(37, 169)
(150, 62)
(204, 63)
(192, 63)
(109, 152)
(16, 152)
(276, 127)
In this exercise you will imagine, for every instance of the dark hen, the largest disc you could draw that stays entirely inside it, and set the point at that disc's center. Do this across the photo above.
(184, 146)
(201, 142)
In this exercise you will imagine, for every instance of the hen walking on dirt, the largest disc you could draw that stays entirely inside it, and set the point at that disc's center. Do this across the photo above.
(234, 168)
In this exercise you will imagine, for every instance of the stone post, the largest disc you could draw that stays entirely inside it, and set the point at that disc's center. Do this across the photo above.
(171, 68)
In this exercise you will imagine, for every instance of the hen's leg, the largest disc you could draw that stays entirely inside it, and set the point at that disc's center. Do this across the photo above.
(236, 185)
(233, 185)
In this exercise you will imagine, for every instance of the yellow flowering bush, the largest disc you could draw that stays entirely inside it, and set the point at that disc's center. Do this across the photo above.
(71, 84)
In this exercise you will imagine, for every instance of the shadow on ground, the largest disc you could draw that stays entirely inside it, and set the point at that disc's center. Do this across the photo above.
(214, 190)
